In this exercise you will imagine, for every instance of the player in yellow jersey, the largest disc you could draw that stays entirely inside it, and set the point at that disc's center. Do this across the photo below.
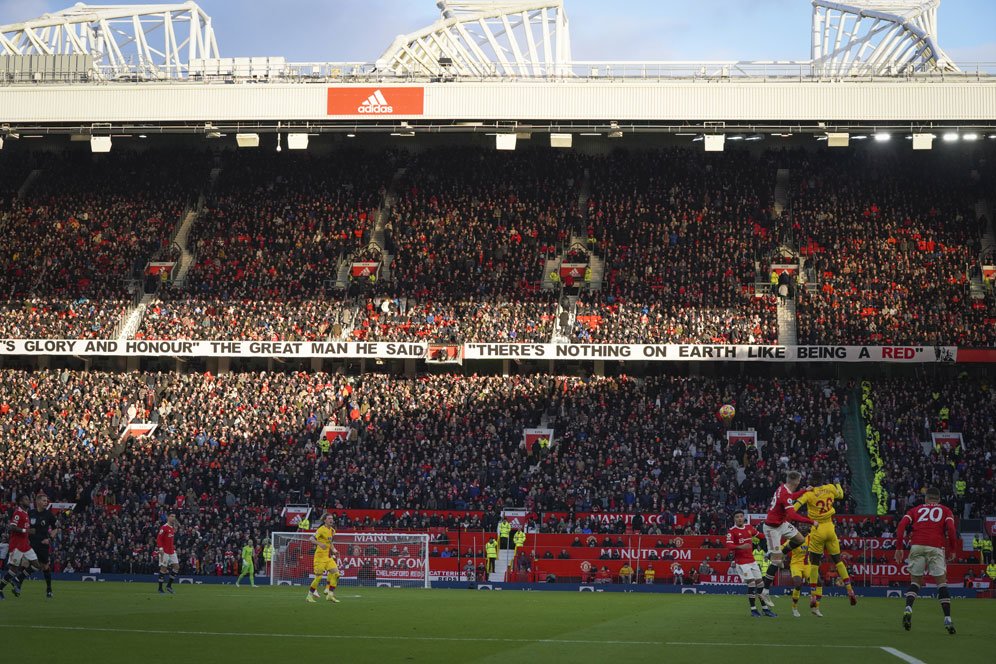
(823, 537)
(326, 565)
(798, 563)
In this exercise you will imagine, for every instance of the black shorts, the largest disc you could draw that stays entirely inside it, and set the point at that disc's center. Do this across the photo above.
(42, 551)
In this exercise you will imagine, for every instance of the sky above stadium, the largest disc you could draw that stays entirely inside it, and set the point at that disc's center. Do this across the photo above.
(360, 30)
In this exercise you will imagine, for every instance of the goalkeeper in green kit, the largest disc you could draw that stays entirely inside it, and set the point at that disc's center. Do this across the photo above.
(248, 565)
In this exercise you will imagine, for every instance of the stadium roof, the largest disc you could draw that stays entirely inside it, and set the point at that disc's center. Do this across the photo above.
(478, 39)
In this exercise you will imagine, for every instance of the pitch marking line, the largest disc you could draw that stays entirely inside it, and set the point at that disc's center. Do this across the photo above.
(66, 628)
(892, 651)
(362, 637)
(903, 656)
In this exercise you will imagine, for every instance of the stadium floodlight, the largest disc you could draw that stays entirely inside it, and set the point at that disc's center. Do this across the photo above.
(950, 137)
(754, 137)
(100, 144)
(735, 137)
(970, 137)
(505, 141)
(297, 141)
(561, 140)
(714, 142)
(1, 142)
(838, 139)
(923, 141)
(247, 140)
(882, 137)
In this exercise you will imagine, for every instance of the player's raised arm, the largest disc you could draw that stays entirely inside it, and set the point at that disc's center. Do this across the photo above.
(838, 490)
(792, 515)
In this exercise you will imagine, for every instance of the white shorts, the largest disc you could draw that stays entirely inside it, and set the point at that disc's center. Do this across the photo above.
(750, 572)
(775, 534)
(15, 557)
(927, 559)
(166, 559)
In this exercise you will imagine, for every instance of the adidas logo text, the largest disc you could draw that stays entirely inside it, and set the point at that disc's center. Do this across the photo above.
(375, 103)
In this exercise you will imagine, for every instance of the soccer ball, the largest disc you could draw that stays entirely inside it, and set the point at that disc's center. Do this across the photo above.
(727, 412)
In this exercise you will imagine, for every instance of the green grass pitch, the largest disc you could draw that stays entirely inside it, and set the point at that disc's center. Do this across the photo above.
(130, 622)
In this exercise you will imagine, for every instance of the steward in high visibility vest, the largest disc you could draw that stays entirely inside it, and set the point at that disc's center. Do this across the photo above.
(519, 538)
(504, 532)
(991, 571)
(491, 551)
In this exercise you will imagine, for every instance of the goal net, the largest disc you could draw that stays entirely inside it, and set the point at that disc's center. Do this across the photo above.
(399, 560)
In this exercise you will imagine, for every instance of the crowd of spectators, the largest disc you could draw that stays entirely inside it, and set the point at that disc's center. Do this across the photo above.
(680, 232)
(268, 247)
(470, 233)
(683, 235)
(241, 443)
(906, 413)
(86, 225)
(891, 249)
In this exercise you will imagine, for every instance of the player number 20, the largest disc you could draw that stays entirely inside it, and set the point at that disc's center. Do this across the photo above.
(933, 514)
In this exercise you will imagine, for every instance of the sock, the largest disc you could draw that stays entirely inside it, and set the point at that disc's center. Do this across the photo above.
(911, 595)
(792, 544)
(795, 597)
(751, 598)
(8, 577)
(814, 583)
(20, 576)
(172, 577)
(769, 575)
(314, 584)
(162, 577)
(333, 581)
(844, 576)
(945, 598)
(48, 580)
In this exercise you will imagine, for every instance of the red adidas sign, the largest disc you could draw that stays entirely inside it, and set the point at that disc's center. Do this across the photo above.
(376, 101)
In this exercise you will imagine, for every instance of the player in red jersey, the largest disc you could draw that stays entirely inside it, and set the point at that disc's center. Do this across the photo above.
(21, 558)
(778, 526)
(167, 553)
(740, 540)
(933, 530)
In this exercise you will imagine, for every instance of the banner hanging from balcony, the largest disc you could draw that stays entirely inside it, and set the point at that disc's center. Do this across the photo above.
(494, 351)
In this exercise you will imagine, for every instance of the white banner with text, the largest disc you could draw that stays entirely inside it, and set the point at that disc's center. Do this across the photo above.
(480, 351)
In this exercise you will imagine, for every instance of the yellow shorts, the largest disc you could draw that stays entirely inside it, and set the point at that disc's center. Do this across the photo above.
(823, 537)
(799, 569)
(323, 565)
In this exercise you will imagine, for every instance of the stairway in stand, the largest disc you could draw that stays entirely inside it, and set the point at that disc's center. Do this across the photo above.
(788, 334)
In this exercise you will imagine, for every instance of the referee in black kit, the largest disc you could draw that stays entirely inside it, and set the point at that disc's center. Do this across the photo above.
(43, 531)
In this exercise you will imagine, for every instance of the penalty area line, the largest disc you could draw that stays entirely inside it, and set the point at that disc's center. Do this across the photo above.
(340, 637)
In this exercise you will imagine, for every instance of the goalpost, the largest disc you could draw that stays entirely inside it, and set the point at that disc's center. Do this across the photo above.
(398, 560)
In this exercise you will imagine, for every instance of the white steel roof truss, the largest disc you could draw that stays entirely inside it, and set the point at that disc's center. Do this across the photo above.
(495, 47)
(909, 39)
